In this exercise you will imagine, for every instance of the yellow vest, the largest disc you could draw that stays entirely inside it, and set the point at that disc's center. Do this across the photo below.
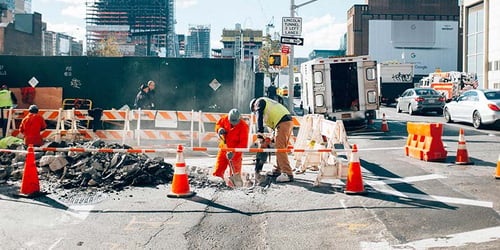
(273, 112)
(5, 98)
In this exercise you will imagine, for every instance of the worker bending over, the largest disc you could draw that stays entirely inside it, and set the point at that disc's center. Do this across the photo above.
(233, 132)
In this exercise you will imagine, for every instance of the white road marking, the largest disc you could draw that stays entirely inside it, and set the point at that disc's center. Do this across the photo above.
(405, 179)
(79, 211)
(342, 203)
(55, 243)
(387, 190)
(443, 199)
(457, 240)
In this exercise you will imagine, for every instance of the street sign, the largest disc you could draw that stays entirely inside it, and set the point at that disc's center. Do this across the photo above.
(292, 40)
(285, 49)
(291, 26)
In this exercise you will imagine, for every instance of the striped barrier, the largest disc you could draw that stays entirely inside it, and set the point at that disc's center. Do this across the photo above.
(73, 123)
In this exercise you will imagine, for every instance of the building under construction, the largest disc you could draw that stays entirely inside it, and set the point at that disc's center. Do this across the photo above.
(138, 27)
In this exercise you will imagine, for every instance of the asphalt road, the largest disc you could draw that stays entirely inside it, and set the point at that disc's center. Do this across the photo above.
(409, 204)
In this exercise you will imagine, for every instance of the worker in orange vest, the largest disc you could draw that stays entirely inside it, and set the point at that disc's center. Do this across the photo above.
(31, 127)
(233, 132)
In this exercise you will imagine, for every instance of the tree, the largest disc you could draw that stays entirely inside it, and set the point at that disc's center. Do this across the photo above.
(269, 46)
(106, 47)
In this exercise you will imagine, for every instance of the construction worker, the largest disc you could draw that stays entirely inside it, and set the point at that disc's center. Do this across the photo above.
(31, 126)
(151, 93)
(7, 100)
(277, 117)
(233, 132)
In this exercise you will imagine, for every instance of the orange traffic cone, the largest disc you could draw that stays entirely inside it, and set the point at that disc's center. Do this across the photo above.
(497, 176)
(180, 182)
(385, 127)
(354, 178)
(462, 155)
(30, 185)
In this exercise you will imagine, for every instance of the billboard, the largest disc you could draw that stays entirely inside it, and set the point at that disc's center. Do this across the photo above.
(429, 45)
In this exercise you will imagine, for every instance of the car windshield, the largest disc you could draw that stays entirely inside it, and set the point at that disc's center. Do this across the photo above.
(426, 92)
(492, 95)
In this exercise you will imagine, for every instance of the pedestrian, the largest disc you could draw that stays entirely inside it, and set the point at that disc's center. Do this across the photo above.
(233, 132)
(277, 117)
(142, 100)
(31, 127)
(151, 93)
(271, 91)
(7, 100)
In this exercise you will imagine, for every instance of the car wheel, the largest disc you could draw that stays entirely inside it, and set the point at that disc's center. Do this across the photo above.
(476, 120)
(410, 110)
(447, 116)
(398, 109)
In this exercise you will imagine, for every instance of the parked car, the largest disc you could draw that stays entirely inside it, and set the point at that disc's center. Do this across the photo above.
(420, 100)
(478, 106)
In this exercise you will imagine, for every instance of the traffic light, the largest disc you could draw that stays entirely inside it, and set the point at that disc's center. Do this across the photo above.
(284, 60)
(278, 60)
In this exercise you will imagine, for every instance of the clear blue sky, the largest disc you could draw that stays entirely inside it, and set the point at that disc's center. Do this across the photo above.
(323, 21)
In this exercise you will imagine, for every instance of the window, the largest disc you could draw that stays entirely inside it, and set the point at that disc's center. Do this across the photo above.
(372, 96)
(370, 74)
(318, 77)
(319, 100)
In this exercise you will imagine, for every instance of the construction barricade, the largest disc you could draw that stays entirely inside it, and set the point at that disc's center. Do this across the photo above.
(424, 141)
(149, 125)
(322, 139)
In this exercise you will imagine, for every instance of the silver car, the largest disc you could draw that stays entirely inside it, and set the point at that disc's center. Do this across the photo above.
(478, 106)
(420, 100)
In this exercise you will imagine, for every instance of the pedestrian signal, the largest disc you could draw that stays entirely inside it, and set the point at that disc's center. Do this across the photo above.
(278, 60)
(275, 59)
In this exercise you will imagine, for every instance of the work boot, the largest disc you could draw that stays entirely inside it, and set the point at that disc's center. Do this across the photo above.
(215, 179)
(274, 173)
(284, 178)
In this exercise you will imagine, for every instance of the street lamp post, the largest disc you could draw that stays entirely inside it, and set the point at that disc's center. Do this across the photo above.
(293, 7)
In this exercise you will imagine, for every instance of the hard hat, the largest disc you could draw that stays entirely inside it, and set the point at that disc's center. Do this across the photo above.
(33, 109)
(234, 116)
(252, 103)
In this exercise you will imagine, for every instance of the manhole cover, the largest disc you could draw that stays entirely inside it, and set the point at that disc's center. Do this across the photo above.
(83, 198)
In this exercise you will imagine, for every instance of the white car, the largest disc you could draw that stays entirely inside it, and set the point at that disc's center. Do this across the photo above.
(478, 106)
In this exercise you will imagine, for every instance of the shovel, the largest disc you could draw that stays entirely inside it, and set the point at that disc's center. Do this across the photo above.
(235, 178)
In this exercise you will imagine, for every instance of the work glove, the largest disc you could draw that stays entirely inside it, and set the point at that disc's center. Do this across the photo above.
(260, 136)
(229, 155)
(221, 132)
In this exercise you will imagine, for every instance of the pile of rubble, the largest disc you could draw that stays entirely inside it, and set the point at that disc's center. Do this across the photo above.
(104, 171)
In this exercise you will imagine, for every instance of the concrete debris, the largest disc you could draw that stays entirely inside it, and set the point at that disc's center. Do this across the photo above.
(104, 171)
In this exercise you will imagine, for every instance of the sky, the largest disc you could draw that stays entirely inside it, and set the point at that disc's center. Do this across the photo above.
(323, 21)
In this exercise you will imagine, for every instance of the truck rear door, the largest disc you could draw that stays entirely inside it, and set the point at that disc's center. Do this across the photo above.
(368, 91)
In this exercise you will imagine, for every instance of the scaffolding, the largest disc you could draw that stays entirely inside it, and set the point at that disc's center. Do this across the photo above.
(138, 27)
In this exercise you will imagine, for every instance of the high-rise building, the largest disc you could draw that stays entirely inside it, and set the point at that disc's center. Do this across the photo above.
(58, 44)
(425, 33)
(198, 42)
(138, 27)
(240, 43)
(18, 6)
(481, 55)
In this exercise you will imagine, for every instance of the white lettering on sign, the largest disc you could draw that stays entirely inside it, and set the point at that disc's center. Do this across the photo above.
(292, 26)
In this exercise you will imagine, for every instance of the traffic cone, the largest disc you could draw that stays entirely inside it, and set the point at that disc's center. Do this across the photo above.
(30, 185)
(462, 155)
(354, 178)
(180, 182)
(385, 127)
(497, 176)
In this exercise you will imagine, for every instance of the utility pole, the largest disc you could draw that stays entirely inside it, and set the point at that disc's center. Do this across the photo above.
(293, 7)
(290, 65)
